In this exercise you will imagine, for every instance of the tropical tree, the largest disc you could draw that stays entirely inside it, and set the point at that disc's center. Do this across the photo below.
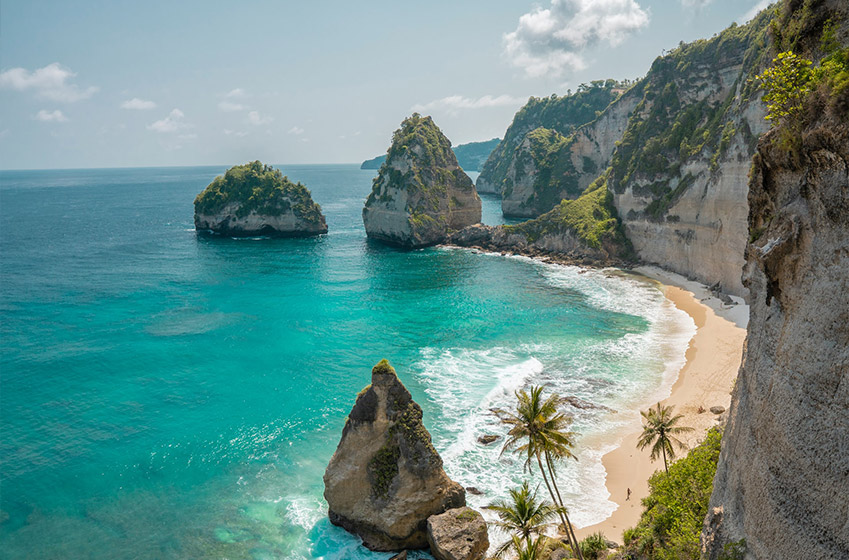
(659, 432)
(529, 550)
(540, 432)
(522, 516)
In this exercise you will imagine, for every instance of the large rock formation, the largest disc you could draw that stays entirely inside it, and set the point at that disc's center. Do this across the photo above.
(470, 157)
(385, 478)
(254, 199)
(458, 534)
(420, 194)
(783, 474)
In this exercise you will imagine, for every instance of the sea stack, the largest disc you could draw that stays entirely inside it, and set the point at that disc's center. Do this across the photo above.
(255, 199)
(420, 194)
(385, 479)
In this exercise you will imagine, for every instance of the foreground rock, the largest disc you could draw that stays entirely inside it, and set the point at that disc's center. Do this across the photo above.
(420, 194)
(255, 199)
(457, 534)
(386, 479)
(783, 474)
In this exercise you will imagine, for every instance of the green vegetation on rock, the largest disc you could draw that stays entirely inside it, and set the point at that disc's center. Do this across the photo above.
(676, 506)
(555, 177)
(259, 188)
(470, 157)
(561, 114)
(592, 218)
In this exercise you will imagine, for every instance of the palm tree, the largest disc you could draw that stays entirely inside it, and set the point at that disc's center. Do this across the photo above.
(659, 432)
(522, 516)
(540, 431)
(529, 550)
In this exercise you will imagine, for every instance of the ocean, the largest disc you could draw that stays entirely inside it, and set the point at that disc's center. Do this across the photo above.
(164, 395)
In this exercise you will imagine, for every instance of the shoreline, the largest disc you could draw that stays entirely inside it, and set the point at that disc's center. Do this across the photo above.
(713, 358)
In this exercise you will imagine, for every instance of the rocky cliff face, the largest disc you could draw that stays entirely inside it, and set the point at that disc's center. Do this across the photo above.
(420, 194)
(560, 114)
(254, 199)
(784, 467)
(385, 478)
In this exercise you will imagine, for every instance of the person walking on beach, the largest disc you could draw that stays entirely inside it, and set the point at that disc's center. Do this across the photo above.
(629, 495)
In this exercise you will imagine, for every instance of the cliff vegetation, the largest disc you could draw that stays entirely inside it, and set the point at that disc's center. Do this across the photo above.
(470, 157)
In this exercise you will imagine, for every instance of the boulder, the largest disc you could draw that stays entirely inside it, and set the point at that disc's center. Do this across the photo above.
(386, 479)
(420, 194)
(457, 534)
(256, 200)
(717, 409)
(488, 439)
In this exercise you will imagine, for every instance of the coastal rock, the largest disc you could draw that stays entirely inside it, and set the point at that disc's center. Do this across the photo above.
(420, 194)
(457, 534)
(783, 472)
(256, 200)
(400, 556)
(717, 409)
(385, 478)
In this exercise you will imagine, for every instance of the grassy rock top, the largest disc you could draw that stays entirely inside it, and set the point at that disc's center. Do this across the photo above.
(259, 188)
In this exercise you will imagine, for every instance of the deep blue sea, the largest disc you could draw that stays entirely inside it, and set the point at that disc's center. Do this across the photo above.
(164, 395)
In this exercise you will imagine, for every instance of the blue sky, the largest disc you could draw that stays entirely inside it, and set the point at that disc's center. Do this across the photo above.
(119, 83)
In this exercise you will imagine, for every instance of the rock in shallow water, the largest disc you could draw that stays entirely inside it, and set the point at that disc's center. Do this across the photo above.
(457, 534)
(386, 479)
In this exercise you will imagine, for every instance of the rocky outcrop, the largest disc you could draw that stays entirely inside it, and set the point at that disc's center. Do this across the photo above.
(783, 471)
(458, 534)
(470, 157)
(257, 200)
(385, 478)
(420, 194)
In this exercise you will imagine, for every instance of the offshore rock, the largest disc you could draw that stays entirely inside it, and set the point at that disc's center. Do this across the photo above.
(458, 534)
(385, 478)
(420, 194)
(256, 200)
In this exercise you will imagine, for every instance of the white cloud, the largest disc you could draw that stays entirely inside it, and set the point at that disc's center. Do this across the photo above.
(172, 123)
(695, 4)
(50, 82)
(454, 103)
(138, 104)
(236, 133)
(50, 116)
(256, 119)
(756, 9)
(230, 107)
(549, 41)
(296, 130)
(238, 92)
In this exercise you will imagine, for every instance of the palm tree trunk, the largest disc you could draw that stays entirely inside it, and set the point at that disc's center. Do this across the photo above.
(663, 448)
(560, 501)
(563, 519)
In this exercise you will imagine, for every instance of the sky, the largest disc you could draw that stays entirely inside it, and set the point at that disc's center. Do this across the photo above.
(115, 83)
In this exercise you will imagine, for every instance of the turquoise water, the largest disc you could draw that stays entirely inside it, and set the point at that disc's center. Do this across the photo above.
(169, 396)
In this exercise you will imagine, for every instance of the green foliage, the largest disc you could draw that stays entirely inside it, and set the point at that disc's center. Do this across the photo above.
(787, 83)
(659, 431)
(593, 546)
(383, 368)
(257, 188)
(473, 155)
(555, 175)
(735, 550)
(676, 506)
(562, 114)
(592, 218)
(383, 467)
(522, 516)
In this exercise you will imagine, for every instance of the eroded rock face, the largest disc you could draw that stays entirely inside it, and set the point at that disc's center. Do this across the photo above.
(458, 534)
(420, 194)
(385, 478)
(255, 199)
(783, 474)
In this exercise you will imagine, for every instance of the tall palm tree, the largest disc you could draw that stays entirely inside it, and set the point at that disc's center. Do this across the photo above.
(538, 430)
(659, 432)
(522, 516)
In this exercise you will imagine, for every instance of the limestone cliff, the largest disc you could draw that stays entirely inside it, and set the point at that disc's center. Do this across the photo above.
(561, 114)
(783, 472)
(385, 478)
(254, 199)
(420, 194)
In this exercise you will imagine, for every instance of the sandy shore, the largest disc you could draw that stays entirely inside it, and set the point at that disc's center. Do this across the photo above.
(712, 360)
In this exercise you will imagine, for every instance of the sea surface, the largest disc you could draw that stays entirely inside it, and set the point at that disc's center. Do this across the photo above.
(164, 395)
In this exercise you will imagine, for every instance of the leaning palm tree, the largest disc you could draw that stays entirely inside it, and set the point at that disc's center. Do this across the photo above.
(522, 516)
(659, 432)
(540, 432)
